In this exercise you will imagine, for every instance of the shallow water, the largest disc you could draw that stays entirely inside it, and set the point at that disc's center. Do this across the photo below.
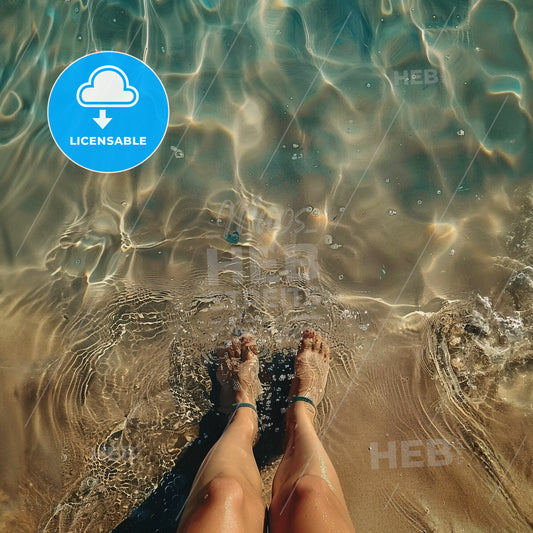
(361, 167)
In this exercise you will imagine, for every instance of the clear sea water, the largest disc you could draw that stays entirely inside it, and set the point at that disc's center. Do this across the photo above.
(363, 167)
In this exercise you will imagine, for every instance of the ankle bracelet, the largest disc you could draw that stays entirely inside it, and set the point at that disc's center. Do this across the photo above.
(301, 399)
(244, 404)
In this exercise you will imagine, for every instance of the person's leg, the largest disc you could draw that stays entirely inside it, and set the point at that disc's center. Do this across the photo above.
(226, 493)
(306, 495)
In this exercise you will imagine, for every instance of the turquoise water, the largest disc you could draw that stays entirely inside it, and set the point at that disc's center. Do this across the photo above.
(362, 167)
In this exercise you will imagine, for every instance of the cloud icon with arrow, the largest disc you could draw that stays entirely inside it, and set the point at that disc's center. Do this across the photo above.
(108, 86)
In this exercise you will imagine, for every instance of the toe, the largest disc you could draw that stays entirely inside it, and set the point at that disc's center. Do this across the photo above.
(318, 342)
(248, 347)
(321, 346)
(223, 352)
(308, 339)
(325, 351)
(235, 348)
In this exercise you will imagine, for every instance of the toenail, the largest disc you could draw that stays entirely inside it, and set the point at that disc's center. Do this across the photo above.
(308, 334)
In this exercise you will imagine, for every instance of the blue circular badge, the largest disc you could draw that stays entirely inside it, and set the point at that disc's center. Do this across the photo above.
(108, 112)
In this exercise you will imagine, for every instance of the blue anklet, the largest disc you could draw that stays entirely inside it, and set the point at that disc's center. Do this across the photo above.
(244, 404)
(301, 399)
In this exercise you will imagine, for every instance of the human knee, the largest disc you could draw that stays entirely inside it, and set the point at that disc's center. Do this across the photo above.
(221, 497)
(311, 488)
(225, 489)
(314, 506)
(302, 503)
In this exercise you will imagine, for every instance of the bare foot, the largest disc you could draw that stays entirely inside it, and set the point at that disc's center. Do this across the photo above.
(237, 372)
(311, 368)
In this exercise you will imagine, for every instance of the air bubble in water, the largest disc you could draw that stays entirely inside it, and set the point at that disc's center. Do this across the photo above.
(178, 153)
